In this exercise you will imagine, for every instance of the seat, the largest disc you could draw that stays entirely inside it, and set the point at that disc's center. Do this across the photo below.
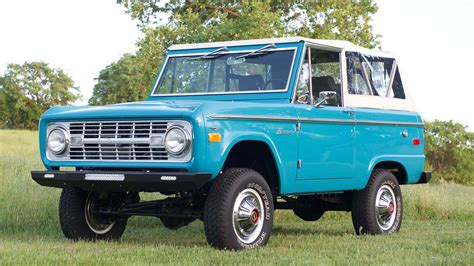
(326, 83)
(250, 82)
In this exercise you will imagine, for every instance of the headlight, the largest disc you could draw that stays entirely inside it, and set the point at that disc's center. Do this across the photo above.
(57, 141)
(177, 141)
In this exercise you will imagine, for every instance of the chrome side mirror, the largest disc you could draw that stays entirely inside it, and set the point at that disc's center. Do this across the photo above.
(324, 96)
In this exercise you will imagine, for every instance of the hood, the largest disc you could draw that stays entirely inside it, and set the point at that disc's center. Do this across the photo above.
(147, 109)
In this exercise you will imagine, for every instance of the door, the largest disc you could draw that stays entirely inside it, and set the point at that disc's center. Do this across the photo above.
(326, 133)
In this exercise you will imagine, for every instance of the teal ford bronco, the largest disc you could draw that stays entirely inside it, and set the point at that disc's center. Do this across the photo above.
(232, 131)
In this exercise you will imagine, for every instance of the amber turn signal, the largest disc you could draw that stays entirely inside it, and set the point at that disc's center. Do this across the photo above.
(214, 137)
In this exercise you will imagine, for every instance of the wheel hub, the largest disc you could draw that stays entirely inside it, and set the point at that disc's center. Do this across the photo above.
(98, 224)
(385, 207)
(247, 215)
(254, 216)
(391, 208)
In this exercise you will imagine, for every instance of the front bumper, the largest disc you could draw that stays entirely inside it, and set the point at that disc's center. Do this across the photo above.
(121, 181)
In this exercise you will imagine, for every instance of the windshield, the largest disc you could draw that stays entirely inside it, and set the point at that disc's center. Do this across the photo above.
(226, 73)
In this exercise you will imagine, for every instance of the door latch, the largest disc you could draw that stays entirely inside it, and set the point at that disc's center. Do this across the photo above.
(349, 112)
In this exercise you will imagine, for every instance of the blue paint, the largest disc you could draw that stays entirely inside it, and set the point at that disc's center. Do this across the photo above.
(335, 156)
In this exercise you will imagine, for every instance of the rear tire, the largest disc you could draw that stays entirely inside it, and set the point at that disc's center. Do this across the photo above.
(78, 220)
(378, 209)
(238, 213)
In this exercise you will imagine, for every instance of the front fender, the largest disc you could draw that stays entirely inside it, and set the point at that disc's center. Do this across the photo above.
(283, 147)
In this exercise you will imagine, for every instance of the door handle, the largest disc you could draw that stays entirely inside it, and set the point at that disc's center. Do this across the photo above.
(349, 111)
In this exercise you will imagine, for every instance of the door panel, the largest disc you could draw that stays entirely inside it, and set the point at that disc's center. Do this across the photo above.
(325, 143)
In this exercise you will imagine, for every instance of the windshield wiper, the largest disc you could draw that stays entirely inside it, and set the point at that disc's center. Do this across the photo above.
(211, 55)
(263, 50)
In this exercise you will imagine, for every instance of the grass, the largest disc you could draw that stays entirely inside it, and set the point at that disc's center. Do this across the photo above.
(438, 228)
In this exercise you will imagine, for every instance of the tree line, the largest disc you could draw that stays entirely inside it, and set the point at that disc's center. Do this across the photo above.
(28, 90)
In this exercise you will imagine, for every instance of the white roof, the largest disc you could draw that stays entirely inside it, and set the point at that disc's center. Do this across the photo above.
(329, 44)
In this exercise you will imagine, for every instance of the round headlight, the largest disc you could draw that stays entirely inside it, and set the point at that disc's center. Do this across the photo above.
(177, 141)
(57, 141)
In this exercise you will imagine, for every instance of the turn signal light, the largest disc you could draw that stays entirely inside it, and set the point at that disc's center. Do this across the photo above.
(214, 137)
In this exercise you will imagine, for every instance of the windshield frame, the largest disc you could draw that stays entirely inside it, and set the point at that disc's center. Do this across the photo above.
(154, 92)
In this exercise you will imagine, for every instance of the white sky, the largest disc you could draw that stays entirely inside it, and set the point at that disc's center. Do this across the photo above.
(431, 38)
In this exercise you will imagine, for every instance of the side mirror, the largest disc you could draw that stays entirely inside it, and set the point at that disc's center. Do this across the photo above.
(324, 96)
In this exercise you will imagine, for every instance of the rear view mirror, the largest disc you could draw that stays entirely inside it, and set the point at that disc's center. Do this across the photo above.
(324, 96)
(328, 95)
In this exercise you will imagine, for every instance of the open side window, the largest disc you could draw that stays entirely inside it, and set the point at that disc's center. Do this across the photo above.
(321, 71)
(373, 75)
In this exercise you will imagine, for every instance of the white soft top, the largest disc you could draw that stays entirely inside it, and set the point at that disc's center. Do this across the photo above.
(350, 100)
(331, 44)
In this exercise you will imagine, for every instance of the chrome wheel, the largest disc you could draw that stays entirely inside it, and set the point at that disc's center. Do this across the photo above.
(386, 207)
(247, 216)
(98, 225)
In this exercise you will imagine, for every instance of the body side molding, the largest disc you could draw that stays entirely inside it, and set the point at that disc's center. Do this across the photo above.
(313, 120)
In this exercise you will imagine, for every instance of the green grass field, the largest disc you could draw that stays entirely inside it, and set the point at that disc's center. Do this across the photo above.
(438, 228)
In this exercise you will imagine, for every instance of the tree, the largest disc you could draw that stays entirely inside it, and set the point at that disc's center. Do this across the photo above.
(28, 90)
(449, 150)
(176, 22)
(328, 19)
(116, 83)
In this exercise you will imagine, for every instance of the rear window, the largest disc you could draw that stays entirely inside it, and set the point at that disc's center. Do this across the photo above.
(373, 75)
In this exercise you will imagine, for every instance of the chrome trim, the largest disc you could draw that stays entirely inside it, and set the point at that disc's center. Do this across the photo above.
(248, 215)
(386, 207)
(297, 79)
(154, 94)
(66, 157)
(313, 120)
(187, 138)
(67, 140)
(310, 69)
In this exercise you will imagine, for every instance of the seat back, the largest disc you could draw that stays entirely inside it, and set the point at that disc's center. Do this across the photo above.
(326, 83)
(250, 82)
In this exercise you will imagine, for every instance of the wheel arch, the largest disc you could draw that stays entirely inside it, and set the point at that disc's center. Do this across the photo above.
(257, 153)
(396, 167)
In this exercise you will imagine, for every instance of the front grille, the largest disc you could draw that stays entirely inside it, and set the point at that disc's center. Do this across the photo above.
(127, 140)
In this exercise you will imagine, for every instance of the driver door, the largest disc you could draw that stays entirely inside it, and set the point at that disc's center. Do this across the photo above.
(326, 133)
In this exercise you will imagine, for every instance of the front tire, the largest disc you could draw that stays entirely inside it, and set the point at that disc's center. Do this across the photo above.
(378, 209)
(238, 213)
(77, 218)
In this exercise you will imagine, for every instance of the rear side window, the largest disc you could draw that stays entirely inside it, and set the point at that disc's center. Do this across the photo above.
(373, 75)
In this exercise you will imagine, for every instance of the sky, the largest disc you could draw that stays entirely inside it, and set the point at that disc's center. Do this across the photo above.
(432, 40)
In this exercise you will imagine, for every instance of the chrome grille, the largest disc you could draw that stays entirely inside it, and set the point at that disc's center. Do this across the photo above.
(121, 140)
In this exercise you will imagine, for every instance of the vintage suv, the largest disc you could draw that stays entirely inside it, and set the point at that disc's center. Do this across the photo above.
(232, 131)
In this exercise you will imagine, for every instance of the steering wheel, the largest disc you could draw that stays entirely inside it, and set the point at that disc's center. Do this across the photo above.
(264, 87)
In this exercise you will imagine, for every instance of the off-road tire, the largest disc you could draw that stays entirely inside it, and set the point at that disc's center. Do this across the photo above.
(73, 221)
(218, 210)
(364, 211)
